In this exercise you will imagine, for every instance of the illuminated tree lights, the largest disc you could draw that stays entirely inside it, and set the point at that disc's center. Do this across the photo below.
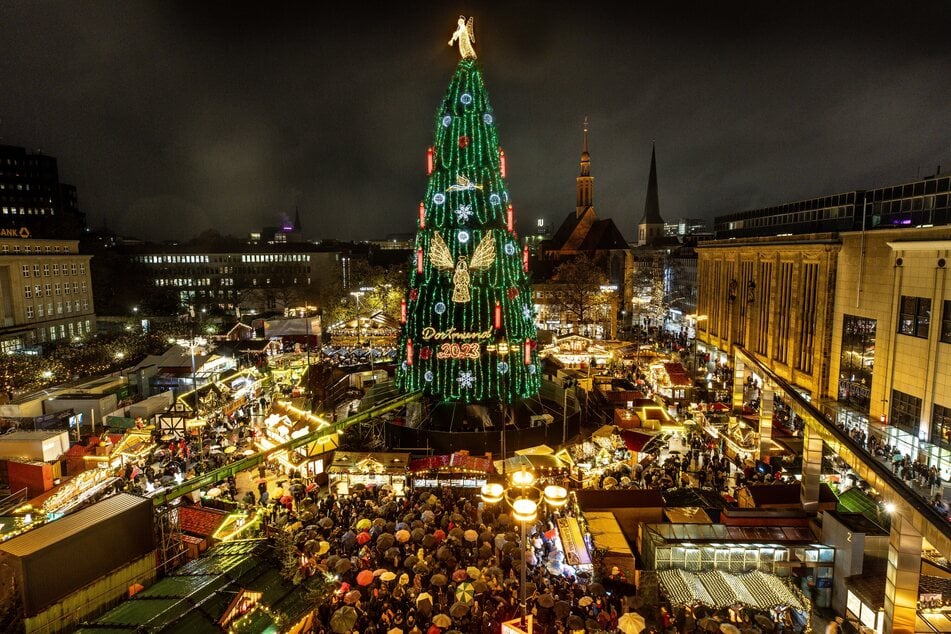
(468, 333)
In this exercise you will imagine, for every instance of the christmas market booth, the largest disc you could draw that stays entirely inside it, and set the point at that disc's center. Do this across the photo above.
(457, 470)
(575, 351)
(752, 597)
(287, 422)
(357, 470)
(374, 330)
(671, 382)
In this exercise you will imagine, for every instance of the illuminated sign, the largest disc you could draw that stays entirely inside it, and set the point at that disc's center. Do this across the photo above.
(452, 334)
(458, 351)
(22, 232)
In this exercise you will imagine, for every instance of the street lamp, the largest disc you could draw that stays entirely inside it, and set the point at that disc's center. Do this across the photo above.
(523, 498)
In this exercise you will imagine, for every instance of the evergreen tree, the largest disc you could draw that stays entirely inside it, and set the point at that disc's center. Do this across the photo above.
(468, 332)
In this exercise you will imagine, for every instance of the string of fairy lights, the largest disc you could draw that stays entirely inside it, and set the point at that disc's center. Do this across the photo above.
(468, 323)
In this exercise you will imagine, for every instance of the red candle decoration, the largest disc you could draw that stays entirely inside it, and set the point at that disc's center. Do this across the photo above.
(422, 216)
(524, 258)
(498, 315)
(502, 162)
(409, 352)
(528, 352)
(403, 311)
(419, 260)
(429, 161)
(510, 218)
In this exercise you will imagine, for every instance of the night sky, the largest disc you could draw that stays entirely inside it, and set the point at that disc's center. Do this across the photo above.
(175, 117)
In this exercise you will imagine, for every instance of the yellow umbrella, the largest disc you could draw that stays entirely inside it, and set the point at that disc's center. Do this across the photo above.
(364, 524)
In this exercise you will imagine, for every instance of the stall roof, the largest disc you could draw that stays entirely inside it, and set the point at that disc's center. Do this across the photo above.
(54, 532)
(532, 462)
(634, 440)
(619, 498)
(710, 533)
(687, 515)
(452, 462)
(349, 461)
(606, 534)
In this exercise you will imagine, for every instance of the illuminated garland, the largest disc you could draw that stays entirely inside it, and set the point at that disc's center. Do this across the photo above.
(483, 347)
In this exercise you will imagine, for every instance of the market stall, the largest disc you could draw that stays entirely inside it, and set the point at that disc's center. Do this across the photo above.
(604, 535)
(354, 470)
(604, 452)
(458, 470)
(757, 593)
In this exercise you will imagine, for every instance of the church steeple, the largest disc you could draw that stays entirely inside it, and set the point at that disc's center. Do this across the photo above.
(585, 181)
(651, 224)
(297, 227)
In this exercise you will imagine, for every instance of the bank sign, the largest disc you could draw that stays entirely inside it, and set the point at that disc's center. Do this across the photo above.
(22, 232)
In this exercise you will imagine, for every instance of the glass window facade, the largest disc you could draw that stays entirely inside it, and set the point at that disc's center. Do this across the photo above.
(906, 412)
(941, 426)
(857, 361)
(946, 322)
(914, 316)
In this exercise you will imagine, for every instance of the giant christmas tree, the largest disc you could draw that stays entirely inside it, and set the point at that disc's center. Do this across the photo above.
(468, 326)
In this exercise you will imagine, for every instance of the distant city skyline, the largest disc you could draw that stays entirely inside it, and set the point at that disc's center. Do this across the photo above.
(175, 118)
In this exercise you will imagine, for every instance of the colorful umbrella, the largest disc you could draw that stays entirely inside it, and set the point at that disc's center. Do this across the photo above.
(473, 573)
(343, 620)
(365, 577)
(465, 592)
(402, 536)
(388, 576)
(460, 575)
(439, 534)
(442, 620)
(631, 623)
(471, 536)
(363, 538)
(364, 524)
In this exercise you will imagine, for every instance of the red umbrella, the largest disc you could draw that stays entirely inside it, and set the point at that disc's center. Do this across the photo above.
(439, 534)
(363, 538)
(365, 577)
(433, 630)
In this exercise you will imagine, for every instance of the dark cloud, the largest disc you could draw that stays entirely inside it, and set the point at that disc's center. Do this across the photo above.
(173, 117)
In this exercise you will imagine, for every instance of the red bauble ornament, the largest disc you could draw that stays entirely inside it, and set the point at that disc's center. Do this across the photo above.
(463, 141)
(413, 294)
(425, 352)
(512, 293)
(534, 344)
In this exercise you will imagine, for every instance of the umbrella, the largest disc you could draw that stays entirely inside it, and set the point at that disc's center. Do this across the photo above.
(213, 492)
(553, 567)
(439, 534)
(585, 601)
(384, 541)
(429, 541)
(631, 623)
(438, 580)
(388, 576)
(325, 522)
(421, 568)
(471, 536)
(349, 538)
(428, 516)
(473, 573)
(562, 609)
(546, 600)
(591, 624)
(729, 628)
(424, 602)
(596, 589)
(458, 609)
(443, 553)
(465, 593)
(434, 629)
(363, 538)
(402, 536)
(323, 547)
(395, 630)
(352, 597)
(343, 566)
(460, 575)
(708, 624)
(378, 572)
(343, 619)
(363, 524)
(248, 452)
(404, 579)
(480, 586)
(365, 577)
(417, 534)
(575, 622)
(231, 449)
(391, 552)
(410, 561)
(457, 534)
(765, 622)
(442, 620)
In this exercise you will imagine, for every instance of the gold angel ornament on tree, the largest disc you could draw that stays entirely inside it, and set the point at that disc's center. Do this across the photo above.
(466, 36)
(481, 259)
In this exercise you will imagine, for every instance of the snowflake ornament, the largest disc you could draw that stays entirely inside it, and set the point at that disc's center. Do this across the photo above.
(463, 213)
(509, 248)
(466, 380)
(527, 312)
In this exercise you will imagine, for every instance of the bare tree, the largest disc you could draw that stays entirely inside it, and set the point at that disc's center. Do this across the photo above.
(577, 288)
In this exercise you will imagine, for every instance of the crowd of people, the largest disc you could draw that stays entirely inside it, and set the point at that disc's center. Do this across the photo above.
(434, 561)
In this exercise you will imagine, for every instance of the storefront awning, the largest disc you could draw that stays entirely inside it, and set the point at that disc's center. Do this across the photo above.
(635, 441)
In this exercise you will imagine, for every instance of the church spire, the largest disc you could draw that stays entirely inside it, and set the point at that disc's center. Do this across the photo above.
(585, 181)
(297, 219)
(651, 224)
